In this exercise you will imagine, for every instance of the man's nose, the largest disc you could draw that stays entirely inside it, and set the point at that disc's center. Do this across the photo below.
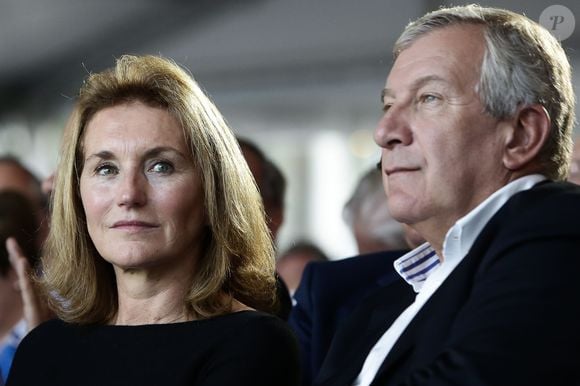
(394, 128)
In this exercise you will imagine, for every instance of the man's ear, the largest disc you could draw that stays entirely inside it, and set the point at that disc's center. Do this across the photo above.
(529, 130)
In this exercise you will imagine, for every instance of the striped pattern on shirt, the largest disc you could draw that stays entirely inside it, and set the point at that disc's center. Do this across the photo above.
(417, 265)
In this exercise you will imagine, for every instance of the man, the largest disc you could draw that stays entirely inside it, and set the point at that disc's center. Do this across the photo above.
(329, 291)
(574, 175)
(367, 214)
(21, 215)
(272, 186)
(15, 176)
(478, 114)
(291, 263)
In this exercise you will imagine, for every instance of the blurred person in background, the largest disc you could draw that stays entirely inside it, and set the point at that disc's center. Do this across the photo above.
(574, 175)
(271, 183)
(15, 176)
(290, 263)
(367, 214)
(272, 186)
(330, 291)
(159, 255)
(18, 220)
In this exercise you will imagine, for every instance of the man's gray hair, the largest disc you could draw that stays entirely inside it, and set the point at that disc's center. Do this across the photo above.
(523, 65)
(367, 208)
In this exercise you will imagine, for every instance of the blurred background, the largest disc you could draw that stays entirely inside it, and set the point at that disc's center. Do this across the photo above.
(300, 78)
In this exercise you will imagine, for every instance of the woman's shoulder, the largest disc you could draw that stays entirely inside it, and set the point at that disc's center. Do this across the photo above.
(48, 329)
(259, 348)
(48, 334)
(248, 321)
(255, 328)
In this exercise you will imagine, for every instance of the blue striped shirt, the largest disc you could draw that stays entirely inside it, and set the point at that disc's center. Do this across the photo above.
(416, 265)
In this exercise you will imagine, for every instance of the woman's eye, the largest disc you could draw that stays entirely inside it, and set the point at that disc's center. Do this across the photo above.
(105, 170)
(161, 167)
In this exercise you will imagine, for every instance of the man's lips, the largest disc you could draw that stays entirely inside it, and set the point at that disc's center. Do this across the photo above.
(394, 170)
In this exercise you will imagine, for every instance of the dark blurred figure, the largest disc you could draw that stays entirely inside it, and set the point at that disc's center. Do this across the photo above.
(368, 216)
(19, 221)
(291, 262)
(270, 181)
(272, 186)
(330, 291)
(15, 176)
(574, 175)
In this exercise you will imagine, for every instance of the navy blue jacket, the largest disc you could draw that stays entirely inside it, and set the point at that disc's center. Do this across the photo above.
(509, 314)
(327, 294)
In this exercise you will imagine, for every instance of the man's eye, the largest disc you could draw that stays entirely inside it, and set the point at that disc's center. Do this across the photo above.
(429, 98)
(386, 107)
(161, 167)
(105, 170)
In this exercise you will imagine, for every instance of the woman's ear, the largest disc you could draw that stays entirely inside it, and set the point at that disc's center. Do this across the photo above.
(528, 132)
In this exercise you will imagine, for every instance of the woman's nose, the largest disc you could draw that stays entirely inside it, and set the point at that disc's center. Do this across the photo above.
(132, 189)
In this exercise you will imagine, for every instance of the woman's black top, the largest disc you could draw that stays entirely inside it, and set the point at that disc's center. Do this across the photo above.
(243, 348)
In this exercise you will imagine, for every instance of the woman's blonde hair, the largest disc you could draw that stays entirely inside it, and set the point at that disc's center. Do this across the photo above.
(238, 254)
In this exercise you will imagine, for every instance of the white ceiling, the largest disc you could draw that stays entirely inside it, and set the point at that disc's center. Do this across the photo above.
(274, 51)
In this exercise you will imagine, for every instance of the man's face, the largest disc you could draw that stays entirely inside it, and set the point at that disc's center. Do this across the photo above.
(12, 177)
(441, 154)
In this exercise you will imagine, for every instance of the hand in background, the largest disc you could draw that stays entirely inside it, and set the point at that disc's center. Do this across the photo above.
(35, 306)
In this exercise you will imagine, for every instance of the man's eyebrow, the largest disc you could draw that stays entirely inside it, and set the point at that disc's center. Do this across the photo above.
(417, 84)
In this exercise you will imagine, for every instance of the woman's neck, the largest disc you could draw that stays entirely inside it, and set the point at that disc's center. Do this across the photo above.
(143, 299)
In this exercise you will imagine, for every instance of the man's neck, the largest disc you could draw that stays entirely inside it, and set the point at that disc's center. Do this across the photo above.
(434, 234)
(435, 229)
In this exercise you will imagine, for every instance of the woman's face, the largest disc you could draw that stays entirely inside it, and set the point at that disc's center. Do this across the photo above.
(140, 190)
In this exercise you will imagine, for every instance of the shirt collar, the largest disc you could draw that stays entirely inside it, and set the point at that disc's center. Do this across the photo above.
(416, 266)
(16, 334)
(462, 235)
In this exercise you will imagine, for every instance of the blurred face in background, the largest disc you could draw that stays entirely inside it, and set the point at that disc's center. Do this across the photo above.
(141, 192)
(12, 177)
(575, 165)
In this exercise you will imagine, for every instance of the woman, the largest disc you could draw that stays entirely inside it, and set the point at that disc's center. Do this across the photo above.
(158, 253)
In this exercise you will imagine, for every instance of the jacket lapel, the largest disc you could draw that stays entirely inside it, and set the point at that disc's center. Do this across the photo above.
(359, 334)
(431, 325)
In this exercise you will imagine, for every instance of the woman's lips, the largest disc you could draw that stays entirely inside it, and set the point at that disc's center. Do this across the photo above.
(133, 225)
